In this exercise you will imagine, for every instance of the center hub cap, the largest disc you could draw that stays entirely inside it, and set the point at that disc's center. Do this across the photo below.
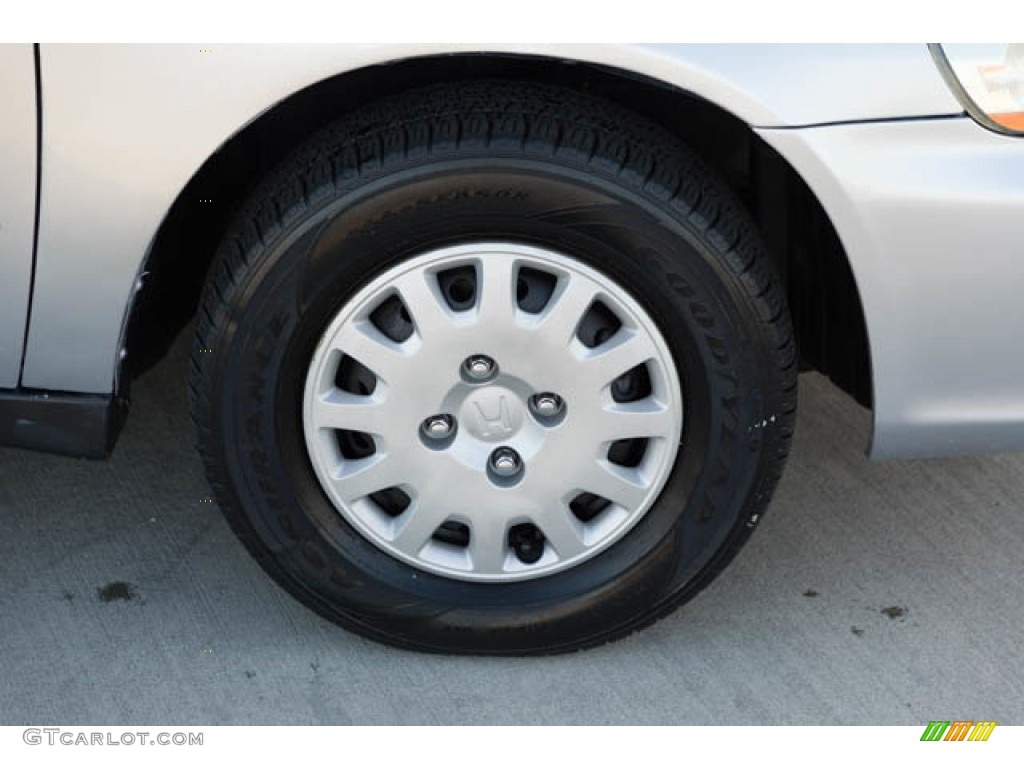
(492, 412)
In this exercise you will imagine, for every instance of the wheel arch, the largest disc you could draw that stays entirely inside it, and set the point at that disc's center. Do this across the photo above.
(823, 294)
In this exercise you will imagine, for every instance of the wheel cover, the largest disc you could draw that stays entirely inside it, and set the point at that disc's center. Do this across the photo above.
(491, 436)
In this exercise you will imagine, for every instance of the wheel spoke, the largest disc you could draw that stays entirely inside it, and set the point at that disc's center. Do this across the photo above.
(620, 485)
(416, 525)
(570, 301)
(343, 410)
(644, 418)
(562, 531)
(358, 478)
(381, 355)
(422, 298)
(488, 546)
(624, 351)
(497, 291)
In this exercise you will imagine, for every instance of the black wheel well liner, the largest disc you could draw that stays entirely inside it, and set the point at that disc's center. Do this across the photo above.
(827, 313)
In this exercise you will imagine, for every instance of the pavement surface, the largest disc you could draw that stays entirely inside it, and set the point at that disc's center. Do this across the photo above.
(889, 594)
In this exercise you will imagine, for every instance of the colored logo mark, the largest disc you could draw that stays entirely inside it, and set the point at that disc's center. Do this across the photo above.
(958, 730)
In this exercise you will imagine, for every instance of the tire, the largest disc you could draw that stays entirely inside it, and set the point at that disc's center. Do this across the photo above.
(477, 171)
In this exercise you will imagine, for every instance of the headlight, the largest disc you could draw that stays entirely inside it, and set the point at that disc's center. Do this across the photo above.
(988, 80)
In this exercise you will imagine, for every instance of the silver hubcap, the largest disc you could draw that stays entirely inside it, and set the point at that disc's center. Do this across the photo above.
(492, 412)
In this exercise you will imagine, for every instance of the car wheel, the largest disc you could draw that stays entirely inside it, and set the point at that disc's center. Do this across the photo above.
(493, 368)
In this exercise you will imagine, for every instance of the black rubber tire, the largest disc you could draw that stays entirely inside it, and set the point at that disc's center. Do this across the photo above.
(492, 160)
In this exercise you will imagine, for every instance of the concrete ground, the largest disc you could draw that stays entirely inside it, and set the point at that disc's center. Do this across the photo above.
(873, 593)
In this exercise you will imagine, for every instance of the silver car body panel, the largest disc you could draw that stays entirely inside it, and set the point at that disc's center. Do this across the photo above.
(126, 127)
(931, 213)
(17, 201)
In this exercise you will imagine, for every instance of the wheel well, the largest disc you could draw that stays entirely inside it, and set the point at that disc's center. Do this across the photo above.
(828, 319)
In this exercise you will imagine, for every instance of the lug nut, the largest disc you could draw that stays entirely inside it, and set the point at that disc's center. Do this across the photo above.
(547, 404)
(480, 367)
(505, 462)
(438, 427)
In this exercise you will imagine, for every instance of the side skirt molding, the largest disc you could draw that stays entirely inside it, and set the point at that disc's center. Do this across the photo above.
(67, 423)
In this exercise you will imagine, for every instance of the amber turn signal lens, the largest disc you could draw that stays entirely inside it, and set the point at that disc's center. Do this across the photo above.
(988, 79)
